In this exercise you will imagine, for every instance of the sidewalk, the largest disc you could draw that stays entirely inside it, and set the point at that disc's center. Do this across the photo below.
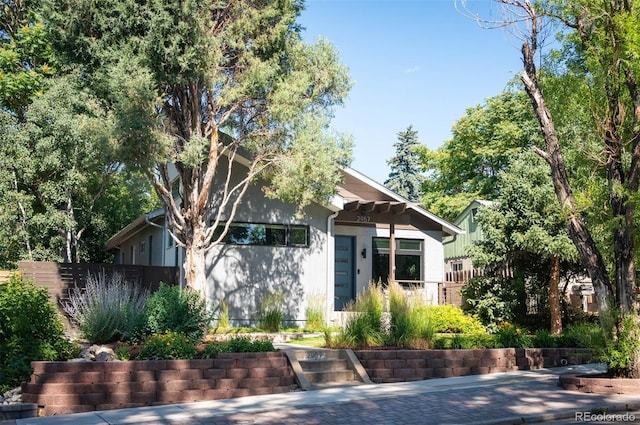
(504, 398)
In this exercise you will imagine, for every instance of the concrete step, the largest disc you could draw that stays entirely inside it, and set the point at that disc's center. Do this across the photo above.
(327, 377)
(324, 365)
(326, 368)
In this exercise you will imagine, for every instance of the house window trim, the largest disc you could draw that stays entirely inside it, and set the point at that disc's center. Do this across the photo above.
(398, 251)
(288, 234)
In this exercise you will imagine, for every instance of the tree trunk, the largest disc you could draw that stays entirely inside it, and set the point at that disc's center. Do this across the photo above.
(554, 296)
(195, 269)
(578, 232)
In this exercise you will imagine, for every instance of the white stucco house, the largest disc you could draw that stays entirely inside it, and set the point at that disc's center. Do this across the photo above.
(331, 254)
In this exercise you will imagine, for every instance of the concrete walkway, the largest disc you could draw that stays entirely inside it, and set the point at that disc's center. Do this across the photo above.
(504, 398)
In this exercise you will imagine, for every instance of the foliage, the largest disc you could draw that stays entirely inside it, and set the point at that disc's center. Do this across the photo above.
(622, 354)
(271, 312)
(405, 176)
(510, 335)
(464, 341)
(238, 344)
(493, 299)
(197, 84)
(545, 339)
(484, 141)
(451, 319)
(364, 326)
(30, 329)
(223, 315)
(411, 322)
(122, 353)
(315, 313)
(107, 309)
(168, 346)
(172, 309)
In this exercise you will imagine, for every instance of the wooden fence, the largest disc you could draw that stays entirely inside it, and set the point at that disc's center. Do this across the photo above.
(449, 293)
(5, 275)
(60, 278)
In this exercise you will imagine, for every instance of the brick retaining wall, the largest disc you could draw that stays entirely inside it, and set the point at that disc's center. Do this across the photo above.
(70, 387)
(385, 366)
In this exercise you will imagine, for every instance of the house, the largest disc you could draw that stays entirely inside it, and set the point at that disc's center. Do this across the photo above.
(459, 268)
(330, 254)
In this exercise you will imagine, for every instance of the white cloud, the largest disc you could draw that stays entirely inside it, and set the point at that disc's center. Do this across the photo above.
(412, 69)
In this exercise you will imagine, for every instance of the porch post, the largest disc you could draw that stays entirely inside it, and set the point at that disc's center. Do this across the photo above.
(392, 253)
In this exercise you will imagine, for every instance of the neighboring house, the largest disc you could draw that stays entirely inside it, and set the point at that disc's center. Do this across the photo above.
(458, 267)
(331, 254)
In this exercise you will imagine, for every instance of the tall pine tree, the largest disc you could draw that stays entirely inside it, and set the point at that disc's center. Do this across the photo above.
(405, 178)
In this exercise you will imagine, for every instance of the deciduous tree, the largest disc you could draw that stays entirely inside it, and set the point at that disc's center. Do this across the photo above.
(202, 86)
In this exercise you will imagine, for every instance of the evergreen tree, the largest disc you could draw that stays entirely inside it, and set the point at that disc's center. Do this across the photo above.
(405, 178)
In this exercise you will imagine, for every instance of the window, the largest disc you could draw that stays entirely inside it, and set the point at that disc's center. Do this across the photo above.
(142, 247)
(170, 240)
(456, 267)
(265, 234)
(408, 259)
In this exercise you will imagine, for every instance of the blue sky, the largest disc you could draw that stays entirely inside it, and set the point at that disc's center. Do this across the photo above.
(413, 62)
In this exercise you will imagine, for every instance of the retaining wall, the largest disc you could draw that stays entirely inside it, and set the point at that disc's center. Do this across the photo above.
(71, 387)
(385, 366)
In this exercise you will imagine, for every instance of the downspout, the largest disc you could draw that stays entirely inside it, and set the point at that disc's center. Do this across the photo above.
(164, 235)
(330, 262)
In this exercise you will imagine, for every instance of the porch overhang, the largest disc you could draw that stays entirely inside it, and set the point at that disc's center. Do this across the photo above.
(366, 211)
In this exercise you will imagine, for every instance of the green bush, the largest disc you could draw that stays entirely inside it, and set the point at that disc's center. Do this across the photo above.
(314, 313)
(239, 344)
(544, 339)
(172, 309)
(621, 354)
(30, 329)
(107, 309)
(168, 346)
(509, 335)
(364, 326)
(451, 319)
(583, 335)
(464, 341)
(271, 312)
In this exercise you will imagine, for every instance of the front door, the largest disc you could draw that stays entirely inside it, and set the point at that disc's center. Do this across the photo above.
(344, 290)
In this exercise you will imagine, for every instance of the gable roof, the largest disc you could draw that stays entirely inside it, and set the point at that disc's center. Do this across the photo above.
(358, 187)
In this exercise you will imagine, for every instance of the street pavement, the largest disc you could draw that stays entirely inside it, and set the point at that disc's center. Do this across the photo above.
(502, 398)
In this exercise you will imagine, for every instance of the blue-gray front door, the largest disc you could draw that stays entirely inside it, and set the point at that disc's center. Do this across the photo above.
(344, 286)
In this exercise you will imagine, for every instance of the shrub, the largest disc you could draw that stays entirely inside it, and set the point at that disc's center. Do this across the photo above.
(172, 309)
(364, 327)
(223, 315)
(271, 312)
(583, 335)
(108, 309)
(464, 341)
(239, 344)
(314, 313)
(622, 353)
(402, 329)
(30, 329)
(168, 346)
(509, 335)
(451, 319)
(544, 339)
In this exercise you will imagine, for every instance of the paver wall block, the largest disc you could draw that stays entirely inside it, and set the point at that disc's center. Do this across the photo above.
(288, 381)
(523, 363)
(236, 373)
(416, 363)
(380, 373)
(214, 373)
(191, 374)
(55, 410)
(221, 363)
(488, 362)
(409, 354)
(395, 364)
(258, 382)
(117, 376)
(216, 394)
(392, 380)
(373, 364)
(126, 398)
(250, 363)
(435, 363)
(263, 372)
(273, 362)
(136, 387)
(241, 392)
(167, 375)
(404, 373)
(471, 362)
(178, 364)
(433, 354)
(443, 372)
(550, 361)
(424, 373)
(365, 355)
(461, 371)
(453, 362)
(69, 399)
(480, 370)
(153, 364)
(226, 384)
(172, 386)
(143, 376)
(201, 364)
